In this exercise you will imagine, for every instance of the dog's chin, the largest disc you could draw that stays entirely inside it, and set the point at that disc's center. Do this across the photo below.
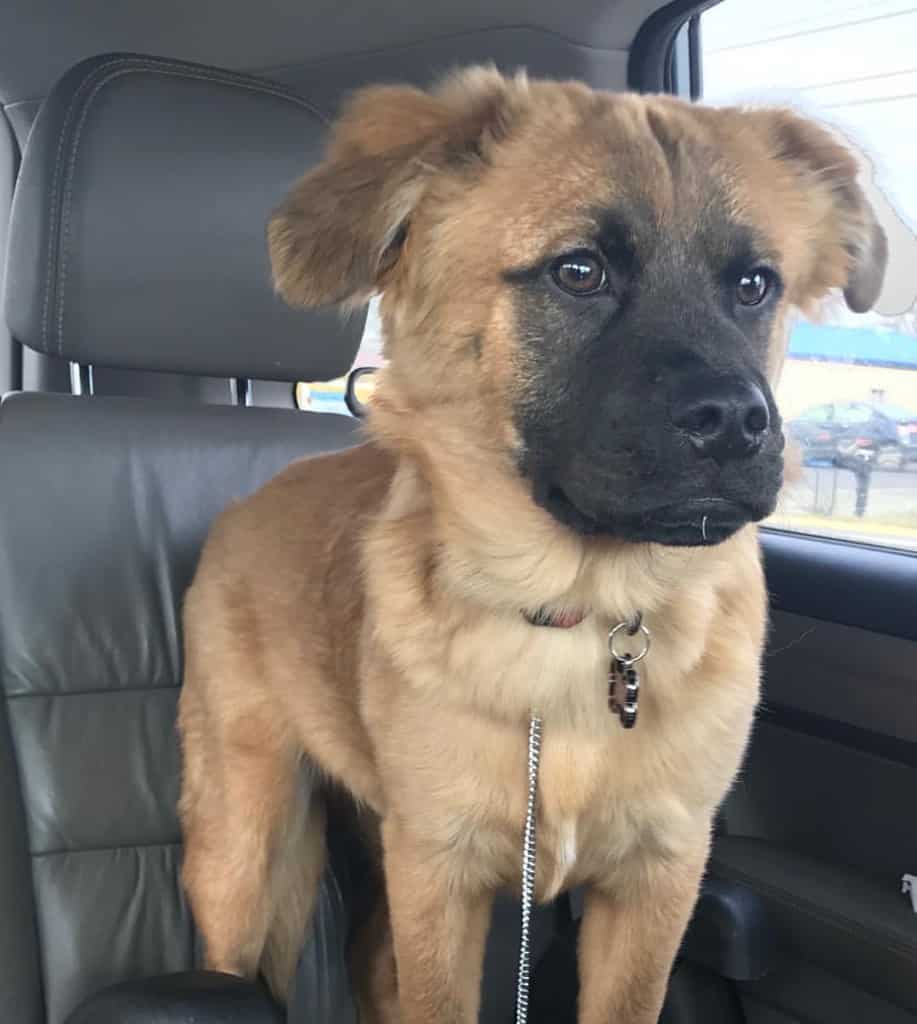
(694, 522)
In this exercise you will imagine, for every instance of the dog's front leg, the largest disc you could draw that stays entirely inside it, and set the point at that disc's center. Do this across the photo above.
(439, 924)
(629, 937)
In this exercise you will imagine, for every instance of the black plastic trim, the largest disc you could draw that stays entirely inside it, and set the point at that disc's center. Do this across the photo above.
(839, 581)
(696, 68)
(853, 737)
(648, 62)
(205, 997)
(356, 407)
(730, 932)
(697, 995)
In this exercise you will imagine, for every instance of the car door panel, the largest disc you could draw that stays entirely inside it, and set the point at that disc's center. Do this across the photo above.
(820, 822)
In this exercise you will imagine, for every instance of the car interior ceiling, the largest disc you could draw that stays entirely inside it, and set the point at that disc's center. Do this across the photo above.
(105, 502)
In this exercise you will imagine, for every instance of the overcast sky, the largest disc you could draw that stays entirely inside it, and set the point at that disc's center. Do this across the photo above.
(854, 64)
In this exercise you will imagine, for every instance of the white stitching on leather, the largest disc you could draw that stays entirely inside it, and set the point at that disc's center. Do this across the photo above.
(134, 65)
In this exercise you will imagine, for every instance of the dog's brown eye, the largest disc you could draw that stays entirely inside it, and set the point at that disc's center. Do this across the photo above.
(579, 273)
(751, 288)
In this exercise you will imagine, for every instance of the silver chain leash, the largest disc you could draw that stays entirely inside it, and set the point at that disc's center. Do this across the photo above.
(528, 873)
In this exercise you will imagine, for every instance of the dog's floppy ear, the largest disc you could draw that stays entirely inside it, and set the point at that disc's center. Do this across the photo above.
(851, 247)
(339, 233)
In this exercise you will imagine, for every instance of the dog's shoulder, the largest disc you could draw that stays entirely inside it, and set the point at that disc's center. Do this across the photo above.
(314, 487)
(338, 477)
(300, 519)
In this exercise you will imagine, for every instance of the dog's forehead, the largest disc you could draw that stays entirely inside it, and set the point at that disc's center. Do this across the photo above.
(595, 163)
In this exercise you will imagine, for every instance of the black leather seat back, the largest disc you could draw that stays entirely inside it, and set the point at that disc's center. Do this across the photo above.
(98, 541)
(105, 502)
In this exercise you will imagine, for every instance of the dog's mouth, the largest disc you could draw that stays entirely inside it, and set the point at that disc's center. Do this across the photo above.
(696, 522)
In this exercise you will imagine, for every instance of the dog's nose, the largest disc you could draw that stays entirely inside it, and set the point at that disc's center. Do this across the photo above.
(723, 418)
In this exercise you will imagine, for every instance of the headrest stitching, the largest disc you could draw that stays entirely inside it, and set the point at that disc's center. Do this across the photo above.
(55, 187)
(112, 70)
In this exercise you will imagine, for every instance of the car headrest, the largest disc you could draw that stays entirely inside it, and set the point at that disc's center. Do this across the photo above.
(138, 229)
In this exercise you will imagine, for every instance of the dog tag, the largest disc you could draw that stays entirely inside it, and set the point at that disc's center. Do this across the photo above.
(624, 690)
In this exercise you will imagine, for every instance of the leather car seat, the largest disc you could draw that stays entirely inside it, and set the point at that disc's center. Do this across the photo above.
(137, 241)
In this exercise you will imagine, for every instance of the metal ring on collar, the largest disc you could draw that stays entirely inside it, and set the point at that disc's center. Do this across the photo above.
(631, 659)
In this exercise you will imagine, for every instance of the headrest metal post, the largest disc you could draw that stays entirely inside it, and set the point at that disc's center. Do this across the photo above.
(240, 391)
(81, 381)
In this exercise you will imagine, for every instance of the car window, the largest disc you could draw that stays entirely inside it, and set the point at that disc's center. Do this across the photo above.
(850, 415)
(820, 414)
(853, 67)
(897, 413)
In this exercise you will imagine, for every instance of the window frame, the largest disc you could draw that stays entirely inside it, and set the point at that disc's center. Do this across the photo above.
(655, 53)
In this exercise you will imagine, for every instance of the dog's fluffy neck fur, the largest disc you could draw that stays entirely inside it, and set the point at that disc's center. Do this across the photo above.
(493, 553)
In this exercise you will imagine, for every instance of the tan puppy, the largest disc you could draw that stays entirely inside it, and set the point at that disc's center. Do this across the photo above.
(583, 298)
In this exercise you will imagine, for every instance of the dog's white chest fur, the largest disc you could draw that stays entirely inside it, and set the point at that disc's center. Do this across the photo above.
(564, 843)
